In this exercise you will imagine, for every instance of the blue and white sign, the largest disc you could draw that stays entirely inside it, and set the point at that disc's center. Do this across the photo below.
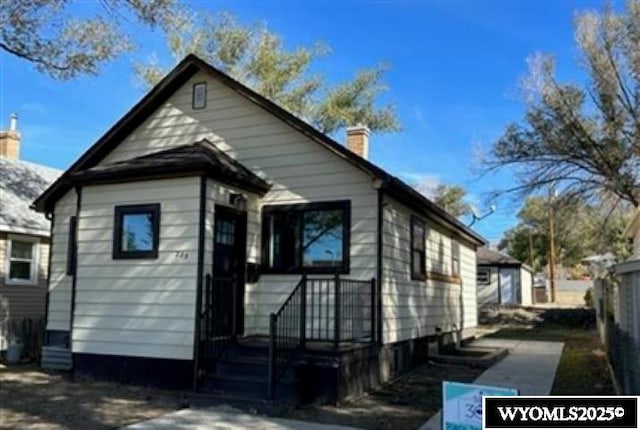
(462, 404)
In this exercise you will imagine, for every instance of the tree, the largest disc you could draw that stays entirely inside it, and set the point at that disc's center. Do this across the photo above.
(257, 57)
(451, 198)
(581, 230)
(63, 46)
(584, 139)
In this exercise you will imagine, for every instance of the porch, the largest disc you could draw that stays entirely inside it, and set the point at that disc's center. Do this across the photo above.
(324, 328)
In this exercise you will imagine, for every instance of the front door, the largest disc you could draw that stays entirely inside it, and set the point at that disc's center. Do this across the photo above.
(229, 258)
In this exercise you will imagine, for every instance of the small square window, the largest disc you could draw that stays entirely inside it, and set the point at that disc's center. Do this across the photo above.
(199, 100)
(136, 231)
(483, 276)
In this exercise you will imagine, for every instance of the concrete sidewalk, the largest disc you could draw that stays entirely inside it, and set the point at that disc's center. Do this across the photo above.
(530, 367)
(225, 418)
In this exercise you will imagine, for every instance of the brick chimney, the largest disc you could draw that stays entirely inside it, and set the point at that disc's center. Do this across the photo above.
(358, 140)
(10, 140)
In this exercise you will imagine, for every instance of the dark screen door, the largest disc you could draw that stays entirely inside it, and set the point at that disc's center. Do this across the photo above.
(229, 247)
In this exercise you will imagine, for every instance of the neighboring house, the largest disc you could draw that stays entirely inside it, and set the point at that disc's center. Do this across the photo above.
(24, 236)
(208, 223)
(617, 303)
(503, 279)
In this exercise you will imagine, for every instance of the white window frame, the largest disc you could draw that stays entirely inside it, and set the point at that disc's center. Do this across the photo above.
(35, 251)
(488, 272)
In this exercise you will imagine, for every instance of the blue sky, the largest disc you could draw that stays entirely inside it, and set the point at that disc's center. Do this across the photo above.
(454, 80)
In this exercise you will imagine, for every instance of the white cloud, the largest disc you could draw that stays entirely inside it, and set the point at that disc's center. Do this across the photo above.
(425, 183)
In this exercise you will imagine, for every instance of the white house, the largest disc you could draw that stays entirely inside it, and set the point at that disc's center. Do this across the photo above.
(503, 279)
(209, 221)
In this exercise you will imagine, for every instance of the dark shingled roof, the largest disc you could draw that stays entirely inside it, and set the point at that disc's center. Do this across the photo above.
(20, 183)
(490, 257)
(199, 158)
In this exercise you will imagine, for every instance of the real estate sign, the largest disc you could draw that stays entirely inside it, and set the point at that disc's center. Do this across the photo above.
(462, 404)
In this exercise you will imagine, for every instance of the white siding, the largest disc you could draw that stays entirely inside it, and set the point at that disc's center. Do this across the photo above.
(59, 312)
(299, 169)
(413, 308)
(526, 287)
(489, 293)
(137, 307)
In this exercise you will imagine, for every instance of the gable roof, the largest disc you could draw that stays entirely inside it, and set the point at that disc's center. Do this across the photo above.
(188, 67)
(21, 183)
(490, 257)
(198, 158)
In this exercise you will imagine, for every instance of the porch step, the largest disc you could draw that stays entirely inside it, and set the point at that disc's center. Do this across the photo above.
(56, 358)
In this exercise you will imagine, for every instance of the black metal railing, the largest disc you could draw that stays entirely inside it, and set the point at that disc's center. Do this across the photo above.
(320, 309)
(216, 320)
(287, 329)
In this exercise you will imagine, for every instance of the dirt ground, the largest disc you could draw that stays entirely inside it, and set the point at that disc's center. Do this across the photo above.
(32, 399)
(406, 403)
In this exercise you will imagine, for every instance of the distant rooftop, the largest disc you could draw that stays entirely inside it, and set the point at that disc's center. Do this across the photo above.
(487, 256)
(20, 183)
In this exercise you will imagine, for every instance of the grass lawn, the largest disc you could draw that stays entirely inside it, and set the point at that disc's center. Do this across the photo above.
(582, 369)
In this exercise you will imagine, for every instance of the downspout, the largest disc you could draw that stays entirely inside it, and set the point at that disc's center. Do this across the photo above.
(51, 217)
(74, 281)
(200, 275)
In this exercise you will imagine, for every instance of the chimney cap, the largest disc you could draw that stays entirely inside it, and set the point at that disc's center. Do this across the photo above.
(13, 122)
(358, 128)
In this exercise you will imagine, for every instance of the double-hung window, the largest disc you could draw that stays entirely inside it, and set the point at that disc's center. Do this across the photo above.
(22, 261)
(306, 238)
(136, 232)
(455, 258)
(418, 249)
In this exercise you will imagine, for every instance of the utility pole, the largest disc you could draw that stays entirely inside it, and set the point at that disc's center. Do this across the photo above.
(552, 251)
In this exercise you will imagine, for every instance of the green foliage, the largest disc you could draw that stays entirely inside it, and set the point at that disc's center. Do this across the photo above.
(581, 229)
(63, 46)
(584, 139)
(451, 198)
(257, 57)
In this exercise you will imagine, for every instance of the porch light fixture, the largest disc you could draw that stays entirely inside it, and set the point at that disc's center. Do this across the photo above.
(238, 201)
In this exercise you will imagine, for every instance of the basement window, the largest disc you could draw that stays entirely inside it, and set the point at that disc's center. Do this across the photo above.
(306, 238)
(136, 231)
(418, 249)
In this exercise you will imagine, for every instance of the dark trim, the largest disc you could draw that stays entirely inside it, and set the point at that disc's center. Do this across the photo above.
(379, 263)
(504, 265)
(48, 279)
(422, 276)
(145, 371)
(199, 282)
(72, 249)
(499, 288)
(118, 216)
(193, 95)
(184, 71)
(74, 279)
(343, 205)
